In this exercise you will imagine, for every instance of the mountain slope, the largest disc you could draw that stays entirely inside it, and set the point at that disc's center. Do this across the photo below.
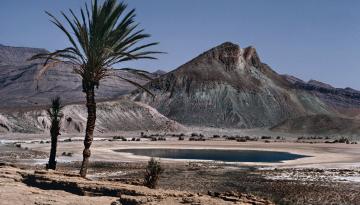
(229, 86)
(19, 86)
(112, 116)
(319, 124)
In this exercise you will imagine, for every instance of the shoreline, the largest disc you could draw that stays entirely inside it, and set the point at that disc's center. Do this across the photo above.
(320, 155)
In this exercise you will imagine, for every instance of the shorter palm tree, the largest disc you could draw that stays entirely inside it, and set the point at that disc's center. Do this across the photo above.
(55, 117)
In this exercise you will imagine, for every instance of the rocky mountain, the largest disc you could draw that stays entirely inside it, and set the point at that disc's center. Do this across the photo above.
(112, 116)
(20, 87)
(345, 102)
(229, 86)
(24, 97)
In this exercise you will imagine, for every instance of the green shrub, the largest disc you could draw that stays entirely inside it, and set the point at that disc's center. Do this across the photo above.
(152, 173)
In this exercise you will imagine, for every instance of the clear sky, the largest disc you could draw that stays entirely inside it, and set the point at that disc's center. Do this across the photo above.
(310, 39)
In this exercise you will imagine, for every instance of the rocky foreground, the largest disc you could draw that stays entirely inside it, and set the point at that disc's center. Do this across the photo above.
(19, 186)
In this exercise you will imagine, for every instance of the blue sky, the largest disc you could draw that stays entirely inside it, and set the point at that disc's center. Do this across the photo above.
(310, 39)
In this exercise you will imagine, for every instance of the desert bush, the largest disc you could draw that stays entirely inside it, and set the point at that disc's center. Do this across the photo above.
(196, 139)
(119, 138)
(181, 138)
(216, 136)
(194, 134)
(152, 173)
(341, 140)
(161, 139)
(67, 154)
(265, 137)
(241, 139)
(231, 138)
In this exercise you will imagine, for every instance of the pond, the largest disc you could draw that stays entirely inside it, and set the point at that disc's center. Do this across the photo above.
(215, 154)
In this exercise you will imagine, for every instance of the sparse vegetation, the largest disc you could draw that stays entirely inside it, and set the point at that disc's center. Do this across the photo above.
(67, 154)
(122, 138)
(152, 173)
(266, 137)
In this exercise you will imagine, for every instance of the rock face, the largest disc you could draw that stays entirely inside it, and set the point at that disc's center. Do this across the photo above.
(20, 86)
(112, 116)
(229, 86)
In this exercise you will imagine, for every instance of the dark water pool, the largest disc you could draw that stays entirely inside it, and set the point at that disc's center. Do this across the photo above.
(215, 154)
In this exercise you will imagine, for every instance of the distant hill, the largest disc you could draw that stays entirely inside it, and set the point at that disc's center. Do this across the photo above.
(159, 73)
(17, 55)
(319, 124)
(19, 86)
(229, 86)
(112, 116)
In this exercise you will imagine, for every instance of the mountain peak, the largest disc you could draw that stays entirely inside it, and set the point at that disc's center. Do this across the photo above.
(230, 54)
(227, 53)
(159, 72)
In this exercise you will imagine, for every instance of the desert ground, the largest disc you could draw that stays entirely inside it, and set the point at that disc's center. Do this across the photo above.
(328, 174)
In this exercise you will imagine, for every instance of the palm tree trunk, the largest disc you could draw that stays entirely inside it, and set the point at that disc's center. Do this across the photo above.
(52, 158)
(90, 126)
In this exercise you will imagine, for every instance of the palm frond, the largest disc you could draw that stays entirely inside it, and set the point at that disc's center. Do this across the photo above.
(101, 36)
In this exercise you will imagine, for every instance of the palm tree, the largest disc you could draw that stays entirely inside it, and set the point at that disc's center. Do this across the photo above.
(100, 37)
(55, 117)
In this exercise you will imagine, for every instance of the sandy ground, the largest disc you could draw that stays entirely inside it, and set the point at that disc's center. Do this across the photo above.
(330, 174)
(321, 155)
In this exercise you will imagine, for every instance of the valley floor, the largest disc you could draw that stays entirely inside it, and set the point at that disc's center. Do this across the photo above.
(331, 175)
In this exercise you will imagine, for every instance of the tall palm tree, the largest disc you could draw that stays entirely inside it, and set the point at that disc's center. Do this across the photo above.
(55, 115)
(100, 37)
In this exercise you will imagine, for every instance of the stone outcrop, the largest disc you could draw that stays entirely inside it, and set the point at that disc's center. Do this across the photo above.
(100, 192)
